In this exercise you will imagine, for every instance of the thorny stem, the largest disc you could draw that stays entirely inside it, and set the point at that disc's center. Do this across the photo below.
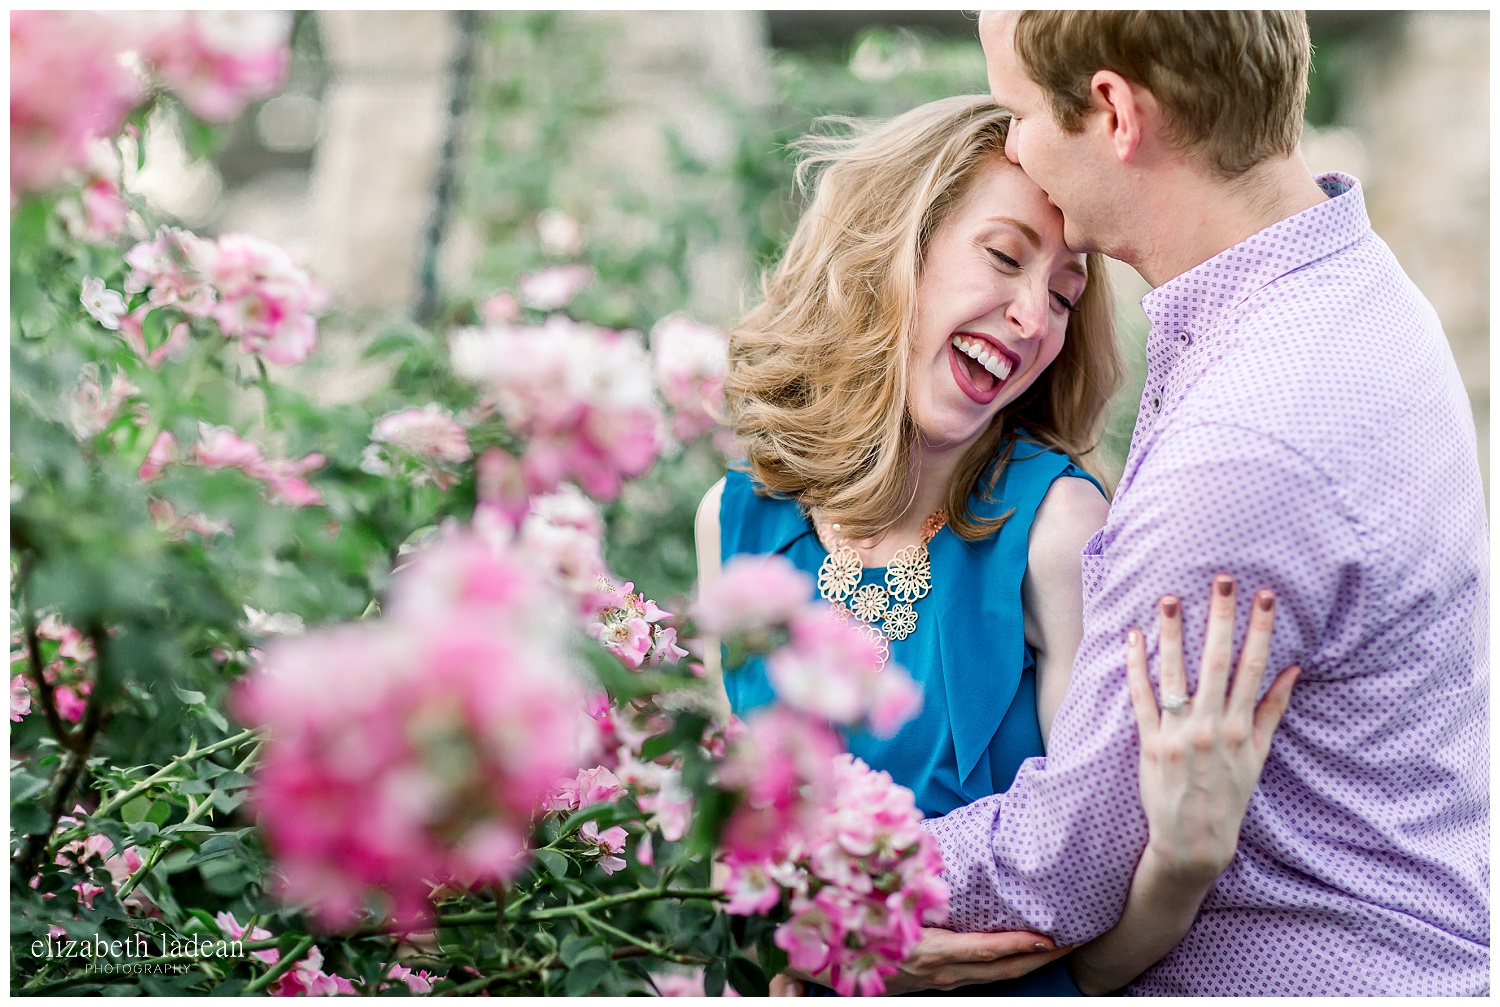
(276, 971)
(196, 813)
(655, 950)
(581, 908)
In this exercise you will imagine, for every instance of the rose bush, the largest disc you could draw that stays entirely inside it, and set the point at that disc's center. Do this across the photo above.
(352, 692)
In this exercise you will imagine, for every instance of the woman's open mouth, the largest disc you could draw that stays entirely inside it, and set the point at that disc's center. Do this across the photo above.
(980, 367)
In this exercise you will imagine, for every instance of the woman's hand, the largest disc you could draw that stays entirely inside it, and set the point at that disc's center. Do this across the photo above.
(945, 960)
(1201, 757)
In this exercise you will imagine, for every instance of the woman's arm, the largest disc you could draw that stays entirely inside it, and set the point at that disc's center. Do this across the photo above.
(1052, 590)
(1199, 765)
(706, 538)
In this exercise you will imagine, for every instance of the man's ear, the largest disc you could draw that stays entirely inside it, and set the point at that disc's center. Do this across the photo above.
(1125, 109)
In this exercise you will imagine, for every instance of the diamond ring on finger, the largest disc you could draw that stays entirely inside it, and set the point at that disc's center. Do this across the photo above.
(1174, 703)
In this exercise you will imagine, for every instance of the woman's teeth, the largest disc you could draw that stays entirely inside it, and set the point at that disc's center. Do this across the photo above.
(980, 351)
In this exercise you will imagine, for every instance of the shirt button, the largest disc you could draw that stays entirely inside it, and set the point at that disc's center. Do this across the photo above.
(1156, 403)
(1184, 338)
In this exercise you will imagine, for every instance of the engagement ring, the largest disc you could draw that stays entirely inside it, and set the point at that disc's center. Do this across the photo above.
(1174, 704)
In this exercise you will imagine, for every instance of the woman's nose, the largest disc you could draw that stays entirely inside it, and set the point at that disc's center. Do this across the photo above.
(1028, 312)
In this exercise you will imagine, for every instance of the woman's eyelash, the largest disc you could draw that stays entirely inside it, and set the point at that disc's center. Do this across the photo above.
(1013, 264)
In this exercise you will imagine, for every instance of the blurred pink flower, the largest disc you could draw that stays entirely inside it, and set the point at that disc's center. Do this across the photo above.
(559, 233)
(106, 306)
(218, 61)
(284, 482)
(166, 520)
(222, 448)
(502, 486)
(783, 767)
(99, 214)
(414, 748)
(690, 360)
(163, 451)
(417, 983)
(20, 697)
(582, 397)
(264, 299)
(71, 702)
(67, 87)
(72, 644)
(90, 409)
(428, 432)
(499, 308)
(834, 670)
(690, 985)
(554, 286)
(751, 595)
(235, 932)
(307, 979)
(428, 437)
(170, 267)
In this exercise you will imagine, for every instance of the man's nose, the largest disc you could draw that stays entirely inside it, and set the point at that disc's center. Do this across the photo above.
(1012, 145)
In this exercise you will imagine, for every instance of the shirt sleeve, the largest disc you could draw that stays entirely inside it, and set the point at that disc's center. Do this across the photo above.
(1056, 852)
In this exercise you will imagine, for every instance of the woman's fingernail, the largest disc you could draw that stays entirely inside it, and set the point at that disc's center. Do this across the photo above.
(1039, 946)
(1225, 586)
(1169, 607)
(1265, 601)
(1133, 637)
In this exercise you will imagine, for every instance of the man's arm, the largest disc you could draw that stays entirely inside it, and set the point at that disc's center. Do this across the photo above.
(1055, 854)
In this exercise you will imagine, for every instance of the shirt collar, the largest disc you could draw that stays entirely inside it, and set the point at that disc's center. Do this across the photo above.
(1195, 300)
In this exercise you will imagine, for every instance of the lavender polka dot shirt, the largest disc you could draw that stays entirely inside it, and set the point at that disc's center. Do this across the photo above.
(1303, 428)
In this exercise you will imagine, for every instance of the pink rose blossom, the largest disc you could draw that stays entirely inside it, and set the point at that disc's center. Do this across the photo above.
(166, 520)
(417, 983)
(751, 595)
(502, 486)
(424, 444)
(171, 267)
(834, 670)
(690, 360)
(499, 308)
(862, 876)
(550, 288)
(100, 213)
(71, 702)
(307, 979)
(67, 88)
(581, 396)
(222, 448)
(607, 844)
(235, 932)
(163, 451)
(20, 697)
(264, 299)
(416, 746)
(627, 627)
(783, 767)
(218, 61)
(72, 644)
(590, 787)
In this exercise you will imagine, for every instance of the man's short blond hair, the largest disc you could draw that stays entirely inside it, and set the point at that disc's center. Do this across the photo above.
(1232, 84)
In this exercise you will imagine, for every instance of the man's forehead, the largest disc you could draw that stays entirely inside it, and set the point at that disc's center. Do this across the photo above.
(996, 23)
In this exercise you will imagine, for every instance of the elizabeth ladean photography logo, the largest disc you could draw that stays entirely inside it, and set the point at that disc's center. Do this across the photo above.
(105, 956)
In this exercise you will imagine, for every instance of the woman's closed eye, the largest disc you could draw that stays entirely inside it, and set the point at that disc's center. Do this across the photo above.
(1009, 263)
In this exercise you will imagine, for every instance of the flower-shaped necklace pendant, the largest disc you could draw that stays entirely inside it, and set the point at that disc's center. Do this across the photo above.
(887, 611)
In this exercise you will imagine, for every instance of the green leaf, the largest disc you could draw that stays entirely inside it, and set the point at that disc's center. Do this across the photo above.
(556, 863)
(159, 813)
(28, 818)
(135, 811)
(655, 748)
(747, 978)
(713, 978)
(584, 978)
(577, 948)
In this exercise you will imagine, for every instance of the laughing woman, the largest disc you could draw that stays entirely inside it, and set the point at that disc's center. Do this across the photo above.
(927, 362)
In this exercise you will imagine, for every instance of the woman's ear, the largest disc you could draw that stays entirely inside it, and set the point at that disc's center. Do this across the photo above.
(1125, 108)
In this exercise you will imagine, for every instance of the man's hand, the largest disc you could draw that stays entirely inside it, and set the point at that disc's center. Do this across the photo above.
(945, 960)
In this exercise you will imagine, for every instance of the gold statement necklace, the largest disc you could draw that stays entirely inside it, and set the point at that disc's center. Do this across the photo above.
(887, 613)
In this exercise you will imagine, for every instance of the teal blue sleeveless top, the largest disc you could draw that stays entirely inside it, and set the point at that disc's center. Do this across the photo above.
(969, 654)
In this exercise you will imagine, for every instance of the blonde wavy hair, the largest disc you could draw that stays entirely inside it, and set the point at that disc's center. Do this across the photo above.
(819, 370)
